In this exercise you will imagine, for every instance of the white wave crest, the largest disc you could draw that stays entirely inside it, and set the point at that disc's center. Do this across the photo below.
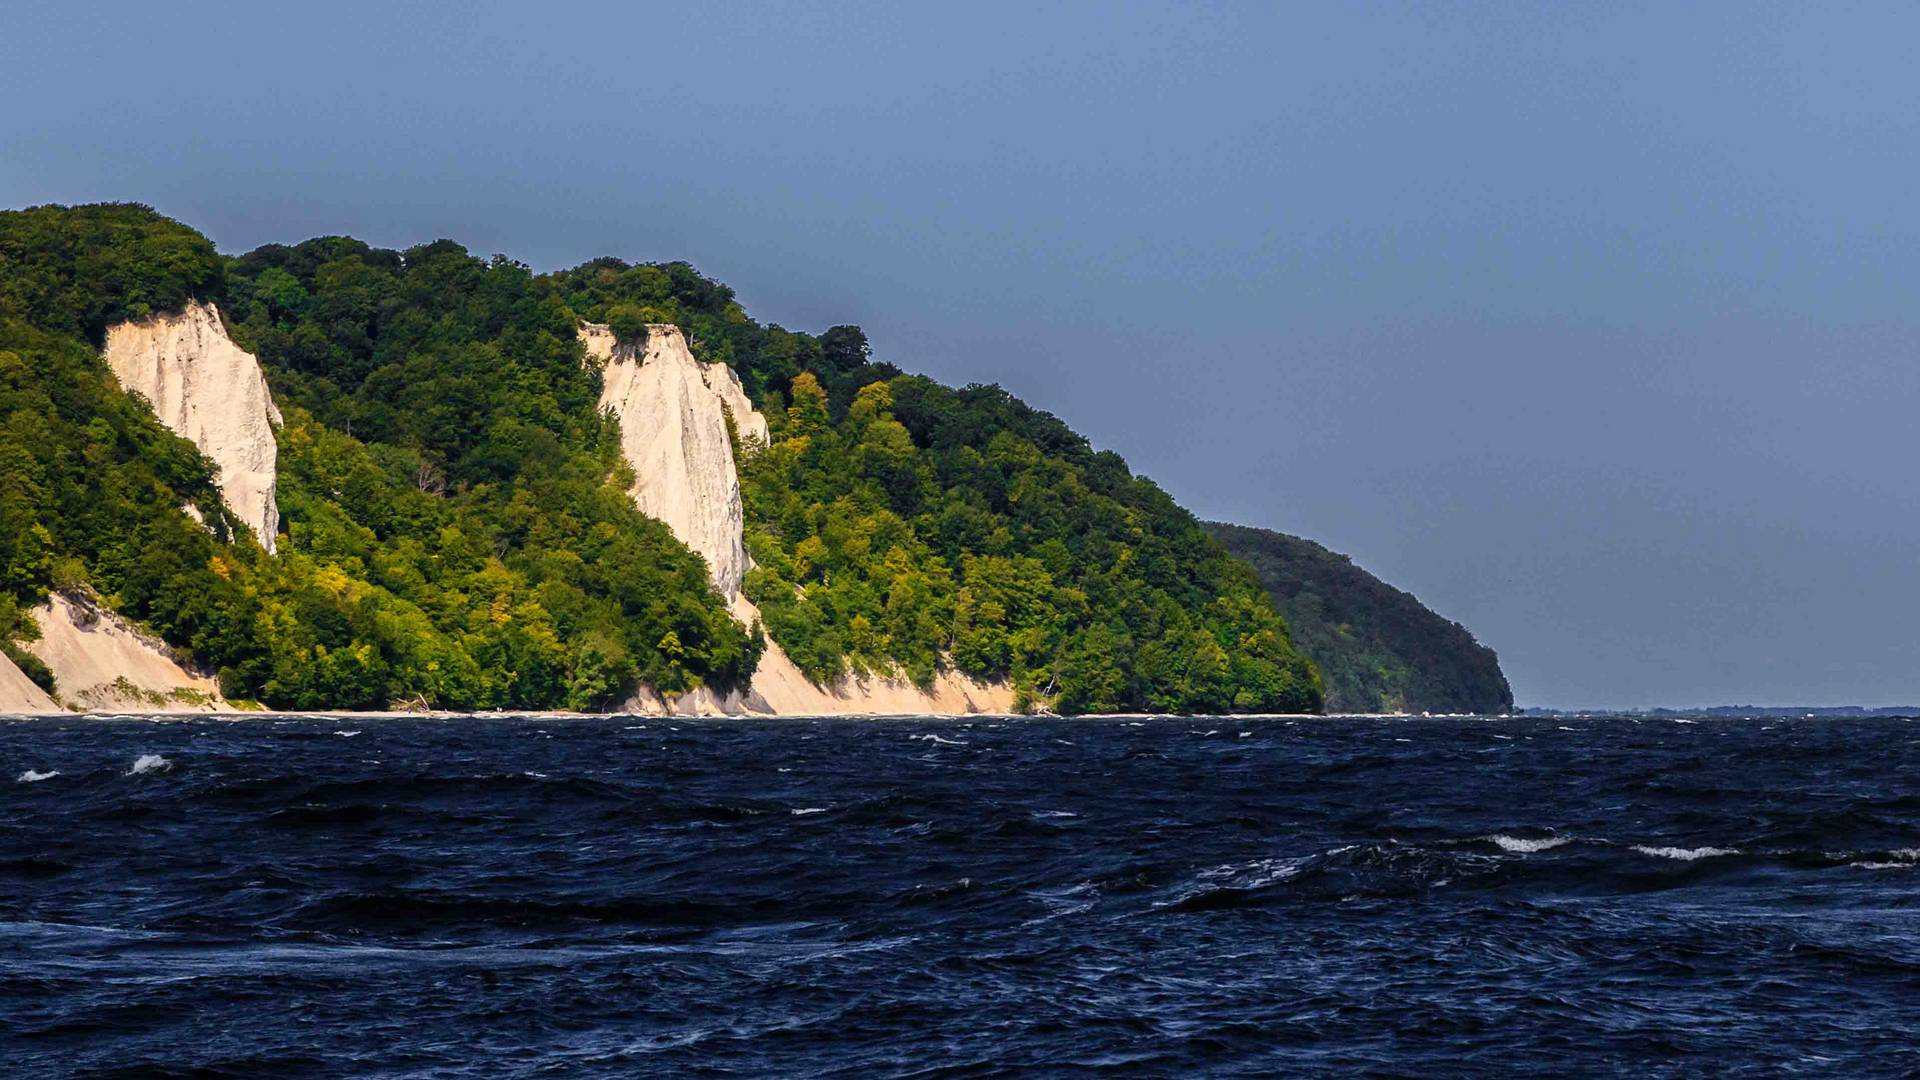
(346, 734)
(34, 776)
(147, 763)
(1897, 859)
(803, 811)
(932, 738)
(1685, 854)
(1521, 845)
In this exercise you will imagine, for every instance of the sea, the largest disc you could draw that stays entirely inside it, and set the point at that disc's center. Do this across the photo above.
(492, 896)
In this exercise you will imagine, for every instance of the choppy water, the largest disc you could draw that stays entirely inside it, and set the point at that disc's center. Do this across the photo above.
(501, 897)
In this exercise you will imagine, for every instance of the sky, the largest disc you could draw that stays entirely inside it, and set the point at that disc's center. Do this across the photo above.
(1593, 326)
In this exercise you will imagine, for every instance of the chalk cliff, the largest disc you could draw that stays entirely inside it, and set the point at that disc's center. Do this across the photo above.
(673, 431)
(672, 412)
(211, 392)
(18, 694)
(102, 662)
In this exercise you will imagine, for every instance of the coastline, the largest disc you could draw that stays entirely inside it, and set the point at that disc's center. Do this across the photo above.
(238, 715)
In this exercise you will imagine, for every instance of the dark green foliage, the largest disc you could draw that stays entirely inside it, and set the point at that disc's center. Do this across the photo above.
(1380, 649)
(930, 523)
(91, 487)
(458, 528)
(77, 270)
(900, 523)
(717, 328)
(470, 544)
(447, 469)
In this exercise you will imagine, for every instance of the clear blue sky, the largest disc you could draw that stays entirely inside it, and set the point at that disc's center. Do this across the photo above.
(1592, 325)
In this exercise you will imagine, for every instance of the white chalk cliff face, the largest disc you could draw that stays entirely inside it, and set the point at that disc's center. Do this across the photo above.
(672, 411)
(211, 392)
(101, 662)
(673, 431)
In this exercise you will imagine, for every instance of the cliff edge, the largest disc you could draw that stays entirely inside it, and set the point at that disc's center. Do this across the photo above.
(211, 392)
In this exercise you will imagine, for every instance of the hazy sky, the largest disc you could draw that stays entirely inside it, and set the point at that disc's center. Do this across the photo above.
(1592, 326)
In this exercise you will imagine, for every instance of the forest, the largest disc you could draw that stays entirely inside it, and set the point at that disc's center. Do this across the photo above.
(1379, 648)
(458, 528)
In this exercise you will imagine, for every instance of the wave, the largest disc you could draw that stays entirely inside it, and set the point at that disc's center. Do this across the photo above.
(34, 776)
(149, 763)
(1684, 854)
(803, 811)
(1897, 859)
(1521, 845)
(937, 740)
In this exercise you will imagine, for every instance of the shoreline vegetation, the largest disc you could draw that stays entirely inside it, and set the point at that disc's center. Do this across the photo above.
(425, 495)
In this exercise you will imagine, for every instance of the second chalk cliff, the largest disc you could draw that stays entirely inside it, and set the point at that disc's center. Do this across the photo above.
(673, 413)
(673, 431)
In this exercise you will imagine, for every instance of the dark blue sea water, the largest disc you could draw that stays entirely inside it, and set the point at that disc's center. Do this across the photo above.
(1171, 897)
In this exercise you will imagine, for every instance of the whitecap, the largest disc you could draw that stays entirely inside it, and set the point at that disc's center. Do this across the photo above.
(932, 738)
(147, 763)
(1685, 854)
(346, 734)
(1246, 734)
(34, 776)
(1521, 845)
(803, 811)
(1897, 859)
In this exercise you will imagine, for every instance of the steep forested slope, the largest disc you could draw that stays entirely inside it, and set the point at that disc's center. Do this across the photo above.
(1379, 648)
(458, 526)
(896, 521)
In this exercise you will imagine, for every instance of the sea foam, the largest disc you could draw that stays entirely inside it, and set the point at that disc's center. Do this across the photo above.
(34, 776)
(1520, 845)
(1685, 854)
(147, 763)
